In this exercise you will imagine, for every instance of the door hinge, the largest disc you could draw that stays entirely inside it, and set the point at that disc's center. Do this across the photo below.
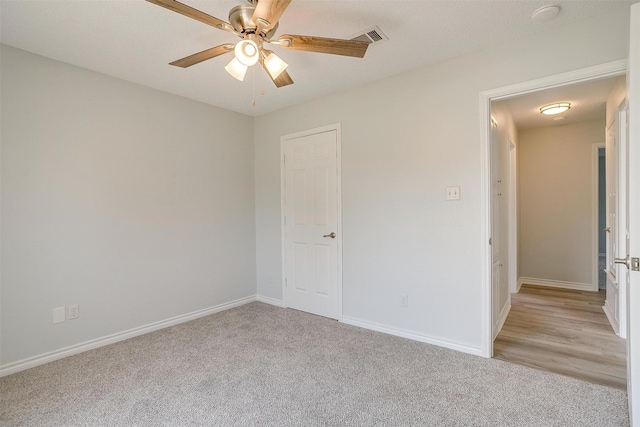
(489, 240)
(635, 264)
(285, 282)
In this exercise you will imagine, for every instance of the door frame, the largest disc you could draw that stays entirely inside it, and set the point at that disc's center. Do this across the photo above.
(512, 227)
(609, 69)
(283, 139)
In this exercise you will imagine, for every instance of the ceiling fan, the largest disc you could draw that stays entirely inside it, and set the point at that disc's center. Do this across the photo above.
(256, 23)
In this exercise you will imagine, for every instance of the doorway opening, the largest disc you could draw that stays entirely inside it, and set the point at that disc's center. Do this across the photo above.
(572, 272)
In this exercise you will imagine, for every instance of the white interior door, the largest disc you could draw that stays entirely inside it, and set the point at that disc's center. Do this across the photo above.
(311, 234)
(611, 305)
(496, 249)
(633, 281)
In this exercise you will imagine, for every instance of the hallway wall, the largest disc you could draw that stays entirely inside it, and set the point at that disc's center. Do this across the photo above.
(556, 203)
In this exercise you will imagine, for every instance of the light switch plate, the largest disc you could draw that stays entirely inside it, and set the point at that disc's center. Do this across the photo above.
(453, 193)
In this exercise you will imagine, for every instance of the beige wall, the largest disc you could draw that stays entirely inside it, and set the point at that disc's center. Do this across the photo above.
(139, 205)
(556, 201)
(133, 203)
(404, 140)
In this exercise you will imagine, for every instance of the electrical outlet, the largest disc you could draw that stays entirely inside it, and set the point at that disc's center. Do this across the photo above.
(73, 312)
(453, 193)
(404, 300)
(59, 315)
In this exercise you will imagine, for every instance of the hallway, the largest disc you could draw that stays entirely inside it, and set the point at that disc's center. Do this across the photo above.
(563, 331)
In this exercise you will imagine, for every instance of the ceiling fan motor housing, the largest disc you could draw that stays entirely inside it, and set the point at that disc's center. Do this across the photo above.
(241, 19)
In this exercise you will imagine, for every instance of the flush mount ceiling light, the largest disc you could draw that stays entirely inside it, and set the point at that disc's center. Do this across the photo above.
(557, 108)
(545, 13)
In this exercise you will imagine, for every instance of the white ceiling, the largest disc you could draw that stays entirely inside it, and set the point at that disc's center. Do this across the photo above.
(588, 102)
(135, 40)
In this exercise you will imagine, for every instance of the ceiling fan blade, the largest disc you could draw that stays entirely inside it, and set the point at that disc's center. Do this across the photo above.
(193, 13)
(196, 58)
(324, 45)
(284, 79)
(268, 12)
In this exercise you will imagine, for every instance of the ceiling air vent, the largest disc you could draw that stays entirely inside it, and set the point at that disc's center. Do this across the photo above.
(372, 35)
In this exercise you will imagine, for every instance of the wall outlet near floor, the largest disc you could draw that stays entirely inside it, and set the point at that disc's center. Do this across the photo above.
(404, 300)
(453, 193)
(59, 315)
(73, 312)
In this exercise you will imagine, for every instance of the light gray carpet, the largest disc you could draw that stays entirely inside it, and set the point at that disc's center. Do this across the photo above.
(259, 365)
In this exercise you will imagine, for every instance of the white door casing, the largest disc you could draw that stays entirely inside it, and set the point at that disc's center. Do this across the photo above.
(311, 221)
(513, 218)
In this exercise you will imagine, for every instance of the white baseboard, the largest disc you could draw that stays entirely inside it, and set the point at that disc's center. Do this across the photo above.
(518, 285)
(608, 311)
(31, 362)
(503, 318)
(411, 335)
(272, 301)
(556, 284)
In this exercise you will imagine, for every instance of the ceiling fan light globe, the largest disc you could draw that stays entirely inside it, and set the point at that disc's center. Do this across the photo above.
(236, 69)
(275, 65)
(246, 52)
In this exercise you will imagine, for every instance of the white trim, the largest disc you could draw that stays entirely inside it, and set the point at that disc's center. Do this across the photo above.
(502, 318)
(609, 69)
(485, 227)
(549, 283)
(270, 301)
(41, 359)
(612, 318)
(518, 286)
(411, 335)
(595, 212)
(512, 214)
(336, 127)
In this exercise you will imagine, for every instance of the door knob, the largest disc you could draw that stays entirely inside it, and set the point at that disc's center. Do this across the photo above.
(624, 261)
(606, 230)
(332, 235)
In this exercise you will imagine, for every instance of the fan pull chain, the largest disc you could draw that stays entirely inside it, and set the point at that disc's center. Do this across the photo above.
(253, 83)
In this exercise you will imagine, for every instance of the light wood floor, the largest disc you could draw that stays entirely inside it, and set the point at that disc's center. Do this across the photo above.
(565, 332)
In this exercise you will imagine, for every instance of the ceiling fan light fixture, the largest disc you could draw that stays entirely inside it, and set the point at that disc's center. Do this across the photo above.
(274, 65)
(236, 69)
(556, 108)
(247, 52)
